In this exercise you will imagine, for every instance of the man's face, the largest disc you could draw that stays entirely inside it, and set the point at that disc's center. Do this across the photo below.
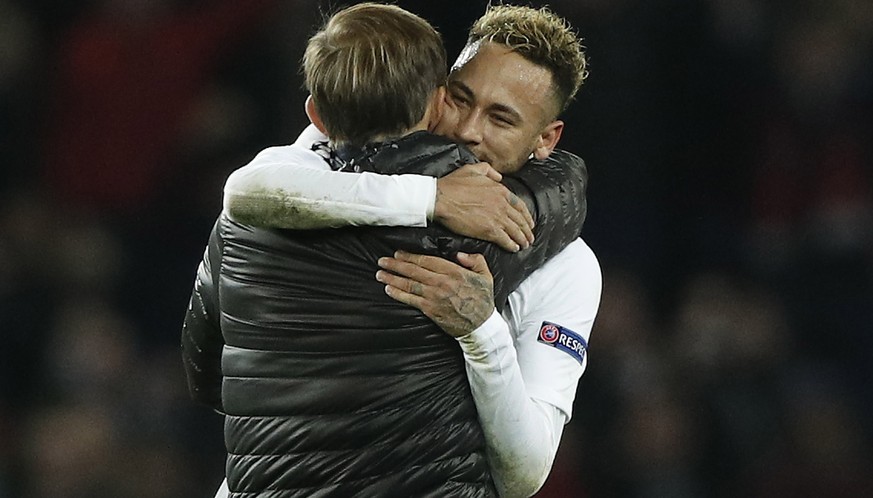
(499, 104)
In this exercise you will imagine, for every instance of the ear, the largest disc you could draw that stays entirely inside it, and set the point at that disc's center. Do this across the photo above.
(434, 112)
(312, 114)
(548, 139)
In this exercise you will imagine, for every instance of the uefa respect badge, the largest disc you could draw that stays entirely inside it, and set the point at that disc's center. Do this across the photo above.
(564, 339)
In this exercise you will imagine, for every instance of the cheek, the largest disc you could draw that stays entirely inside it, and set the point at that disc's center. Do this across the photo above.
(504, 140)
(449, 118)
(511, 147)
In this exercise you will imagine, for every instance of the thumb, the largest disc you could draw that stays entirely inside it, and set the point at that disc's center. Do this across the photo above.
(492, 173)
(485, 169)
(474, 262)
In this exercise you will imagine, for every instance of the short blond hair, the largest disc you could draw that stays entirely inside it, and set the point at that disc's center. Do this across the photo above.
(540, 36)
(371, 71)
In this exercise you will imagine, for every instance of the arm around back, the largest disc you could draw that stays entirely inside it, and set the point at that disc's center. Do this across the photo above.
(554, 191)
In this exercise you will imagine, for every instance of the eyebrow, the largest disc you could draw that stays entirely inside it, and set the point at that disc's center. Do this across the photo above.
(503, 108)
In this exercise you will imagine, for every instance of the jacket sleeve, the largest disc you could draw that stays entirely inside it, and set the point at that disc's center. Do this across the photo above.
(202, 341)
(555, 192)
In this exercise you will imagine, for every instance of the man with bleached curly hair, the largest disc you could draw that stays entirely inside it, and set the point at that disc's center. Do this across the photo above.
(543, 64)
(520, 69)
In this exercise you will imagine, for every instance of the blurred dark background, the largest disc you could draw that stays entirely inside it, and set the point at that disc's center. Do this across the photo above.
(729, 144)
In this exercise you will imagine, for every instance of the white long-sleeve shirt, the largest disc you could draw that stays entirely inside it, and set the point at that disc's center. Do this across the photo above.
(523, 367)
(291, 186)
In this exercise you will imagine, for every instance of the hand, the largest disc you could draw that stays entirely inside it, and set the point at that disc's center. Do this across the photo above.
(471, 201)
(457, 298)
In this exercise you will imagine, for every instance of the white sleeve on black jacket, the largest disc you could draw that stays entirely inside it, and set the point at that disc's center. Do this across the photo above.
(291, 186)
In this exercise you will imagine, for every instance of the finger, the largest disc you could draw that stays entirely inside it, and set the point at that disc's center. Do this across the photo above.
(505, 241)
(471, 169)
(474, 262)
(477, 169)
(484, 169)
(492, 173)
(521, 207)
(409, 270)
(518, 228)
(406, 298)
(434, 264)
(405, 284)
(526, 213)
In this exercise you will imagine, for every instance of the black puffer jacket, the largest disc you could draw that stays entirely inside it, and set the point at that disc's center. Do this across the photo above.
(330, 387)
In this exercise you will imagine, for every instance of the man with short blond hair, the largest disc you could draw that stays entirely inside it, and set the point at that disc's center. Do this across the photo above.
(344, 65)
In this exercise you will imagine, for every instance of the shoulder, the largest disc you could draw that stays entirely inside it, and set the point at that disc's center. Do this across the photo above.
(426, 144)
(272, 163)
(559, 159)
(299, 152)
(421, 153)
(286, 154)
(577, 258)
(564, 157)
(572, 275)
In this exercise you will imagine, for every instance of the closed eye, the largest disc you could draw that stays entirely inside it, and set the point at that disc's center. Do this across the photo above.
(503, 121)
(459, 98)
(460, 93)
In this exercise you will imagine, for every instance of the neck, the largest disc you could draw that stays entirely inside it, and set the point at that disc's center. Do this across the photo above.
(378, 138)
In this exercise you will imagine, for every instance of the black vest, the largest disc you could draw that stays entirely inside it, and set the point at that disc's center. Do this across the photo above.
(330, 387)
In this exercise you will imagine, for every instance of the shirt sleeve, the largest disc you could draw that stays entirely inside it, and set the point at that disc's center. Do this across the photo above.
(293, 187)
(524, 388)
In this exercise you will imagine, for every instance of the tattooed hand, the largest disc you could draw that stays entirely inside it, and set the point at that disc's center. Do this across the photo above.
(457, 298)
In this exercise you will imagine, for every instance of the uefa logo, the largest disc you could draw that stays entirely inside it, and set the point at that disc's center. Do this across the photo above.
(549, 333)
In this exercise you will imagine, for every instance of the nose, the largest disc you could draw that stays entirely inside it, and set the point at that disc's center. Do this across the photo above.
(469, 130)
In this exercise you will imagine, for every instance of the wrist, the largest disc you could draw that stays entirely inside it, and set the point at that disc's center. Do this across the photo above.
(487, 339)
(432, 205)
(493, 324)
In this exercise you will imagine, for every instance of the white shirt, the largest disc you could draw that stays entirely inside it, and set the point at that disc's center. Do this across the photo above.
(523, 386)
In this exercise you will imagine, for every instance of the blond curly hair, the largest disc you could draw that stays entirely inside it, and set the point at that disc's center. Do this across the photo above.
(540, 36)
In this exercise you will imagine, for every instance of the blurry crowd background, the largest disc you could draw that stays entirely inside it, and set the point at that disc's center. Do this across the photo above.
(729, 143)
